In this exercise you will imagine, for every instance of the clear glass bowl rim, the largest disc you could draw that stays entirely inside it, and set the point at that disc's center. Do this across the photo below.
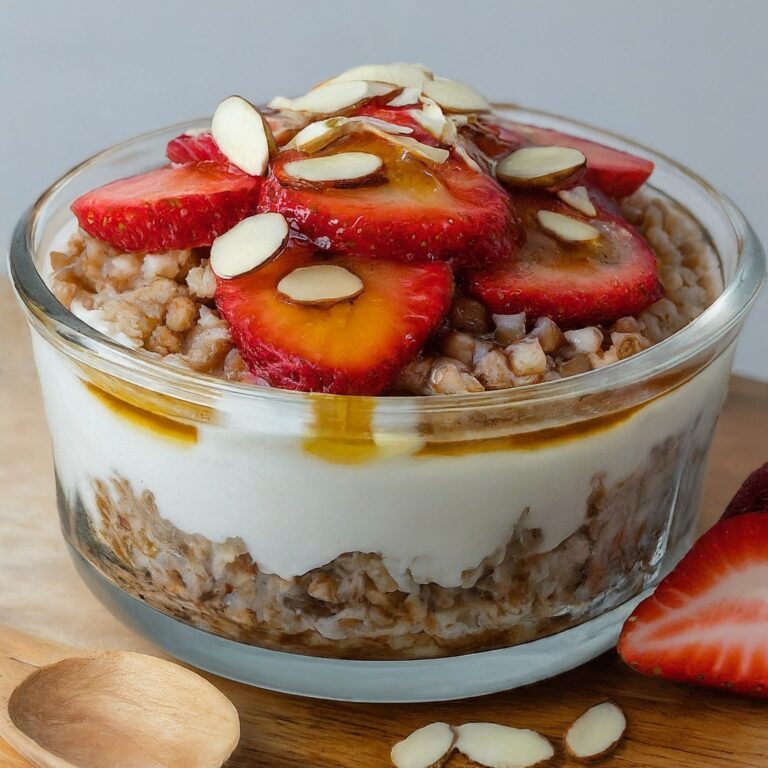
(50, 318)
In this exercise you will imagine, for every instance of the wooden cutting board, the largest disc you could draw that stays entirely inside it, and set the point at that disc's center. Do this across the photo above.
(668, 725)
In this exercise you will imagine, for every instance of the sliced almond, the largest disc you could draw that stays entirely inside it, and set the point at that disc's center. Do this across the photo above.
(430, 117)
(428, 747)
(596, 733)
(420, 150)
(539, 166)
(249, 244)
(565, 228)
(321, 133)
(318, 135)
(413, 147)
(578, 198)
(321, 285)
(500, 746)
(346, 169)
(463, 153)
(335, 96)
(243, 135)
(454, 96)
(450, 133)
(382, 125)
(406, 97)
(404, 75)
(280, 102)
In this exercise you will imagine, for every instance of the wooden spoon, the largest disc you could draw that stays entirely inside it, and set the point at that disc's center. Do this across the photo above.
(61, 707)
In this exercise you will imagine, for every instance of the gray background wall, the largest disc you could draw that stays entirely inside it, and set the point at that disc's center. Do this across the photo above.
(689, 77)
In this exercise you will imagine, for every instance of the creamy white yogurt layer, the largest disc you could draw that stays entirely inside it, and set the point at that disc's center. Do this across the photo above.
(430, 517)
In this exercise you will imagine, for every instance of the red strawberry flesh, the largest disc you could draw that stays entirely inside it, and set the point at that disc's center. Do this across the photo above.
(355, 347)
(424, 212)
(192, 148)
(187, 206)
(613, 171)
(707, 622)
(575, 284)
(752, 496)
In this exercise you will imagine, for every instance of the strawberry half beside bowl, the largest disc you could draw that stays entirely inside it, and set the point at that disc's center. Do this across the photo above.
(291, 538)
(707, 621)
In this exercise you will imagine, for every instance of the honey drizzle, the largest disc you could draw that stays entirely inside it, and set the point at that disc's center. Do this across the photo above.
(342, 429)
(157, 423)
(343, 432)
(530, 441)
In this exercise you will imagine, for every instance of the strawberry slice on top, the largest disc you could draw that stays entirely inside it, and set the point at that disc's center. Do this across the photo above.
(193, 147)
(707, 622)
(423, 211)
(187, 206)
(613, 171)
(355, 346)
(573, 283)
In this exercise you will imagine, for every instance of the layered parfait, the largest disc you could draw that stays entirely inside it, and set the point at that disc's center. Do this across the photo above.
(403, 259)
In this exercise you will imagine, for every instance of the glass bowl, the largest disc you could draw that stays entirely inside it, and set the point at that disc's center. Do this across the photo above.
(379, 549)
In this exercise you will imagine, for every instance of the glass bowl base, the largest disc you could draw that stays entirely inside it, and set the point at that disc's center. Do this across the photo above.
(379, 682)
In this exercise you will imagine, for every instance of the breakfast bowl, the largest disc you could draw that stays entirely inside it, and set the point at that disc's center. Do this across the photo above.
(388, 547)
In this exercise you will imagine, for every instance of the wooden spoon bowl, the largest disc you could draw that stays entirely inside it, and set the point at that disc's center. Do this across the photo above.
(64, 708)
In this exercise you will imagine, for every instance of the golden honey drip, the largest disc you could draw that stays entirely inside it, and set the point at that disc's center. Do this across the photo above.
(531, 441)
(342, 431)
(147, 410)
(342, 434)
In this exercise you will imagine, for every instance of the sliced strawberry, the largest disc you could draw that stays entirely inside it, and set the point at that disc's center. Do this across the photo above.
(707, 622)
(752, 496)
(182, 207)
(355, 347)
(422, 212)
(613, 171)
(190, 149)
(574, 284)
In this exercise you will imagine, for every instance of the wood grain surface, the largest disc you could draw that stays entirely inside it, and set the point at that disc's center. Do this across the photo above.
(668, 725)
